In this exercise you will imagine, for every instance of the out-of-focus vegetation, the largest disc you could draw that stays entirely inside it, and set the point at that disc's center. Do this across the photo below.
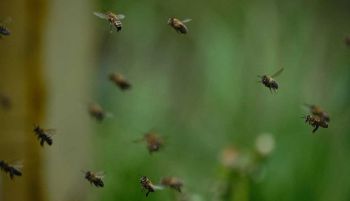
(199, 92)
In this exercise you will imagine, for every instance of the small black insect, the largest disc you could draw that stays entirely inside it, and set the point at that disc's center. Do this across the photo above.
(269, 82)
(94, 178)
(44, 135)
(147, 185)
(12, 170)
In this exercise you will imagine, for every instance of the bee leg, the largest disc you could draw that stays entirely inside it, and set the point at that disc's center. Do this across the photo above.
(147, 193)
(315, 129)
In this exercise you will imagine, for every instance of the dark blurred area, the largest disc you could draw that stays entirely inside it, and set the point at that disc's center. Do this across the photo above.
(221, 135)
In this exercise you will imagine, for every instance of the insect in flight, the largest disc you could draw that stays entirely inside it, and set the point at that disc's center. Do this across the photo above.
(113, 19)
(269, 82)
(147, 185)
(179, 25)
(94, 178)
(44, 135)
(153, 141)
(12, 170)
(4, 31)
(97, 112)
(120, 81)
(318, 111)
(172, 182)
(316, 122)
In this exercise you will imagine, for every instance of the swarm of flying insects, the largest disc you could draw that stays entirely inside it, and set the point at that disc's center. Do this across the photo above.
(147, 185)
(269, 82)
(153, 141)
(317, 118)
(12, 170)
(44, 135)
(172, 182)
(119, 80)
(97, 112)
(113, 19)
(4, 31)
(95, 178)
(179, 25)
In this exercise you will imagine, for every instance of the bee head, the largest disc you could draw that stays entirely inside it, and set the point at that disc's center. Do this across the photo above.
(170, 20)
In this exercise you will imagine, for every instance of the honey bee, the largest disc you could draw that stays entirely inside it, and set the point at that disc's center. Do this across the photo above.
(179, 25)
(147, 185)
(44, 135)
(318, 111)
(94, 178)
(96, 111)
(316, 122)
(269, 82)
(172, 182)
(113, 19)
(12, 170)
(4, 31)
(153, 141)
(120, 81)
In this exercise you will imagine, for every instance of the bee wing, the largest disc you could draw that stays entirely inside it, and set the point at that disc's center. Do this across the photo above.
(6, 20)
(186, 20)
(157, 187)
(17, 165)
(50, 131)
(101, 15)
(100, 174)
(277, 73)
(120, 16)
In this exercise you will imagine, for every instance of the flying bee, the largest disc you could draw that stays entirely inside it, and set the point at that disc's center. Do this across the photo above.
(97, 112)
(113, 19)
(120, 81)
(318, 111)
(12, 170)
(316, 122)
(172, 182)
(95, 178)
(179, 25)
(153, 141)
(44, 135)
(269, 82)
(4, 31)
(147, 185)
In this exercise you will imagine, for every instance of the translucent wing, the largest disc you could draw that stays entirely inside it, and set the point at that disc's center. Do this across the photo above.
(120, 16)
(156, 187)
(17, 165)
(100, 174)
(278, 72)
(101, 15)
(50, 131)
(186, 20)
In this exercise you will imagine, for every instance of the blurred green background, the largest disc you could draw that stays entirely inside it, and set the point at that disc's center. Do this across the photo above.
(199, 91)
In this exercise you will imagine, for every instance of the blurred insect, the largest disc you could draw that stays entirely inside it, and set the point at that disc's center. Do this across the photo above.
(318, 111)
(147, 185)
(97, 112)
(179, 25)
(5, 102)
(172, 182)
(120, 81)
(113, 19)
(269, 82)
(316, 122)
(154, 142)
(95, 178)
(347, 40)
(4, 31)
(44, 135)
(12, 170)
